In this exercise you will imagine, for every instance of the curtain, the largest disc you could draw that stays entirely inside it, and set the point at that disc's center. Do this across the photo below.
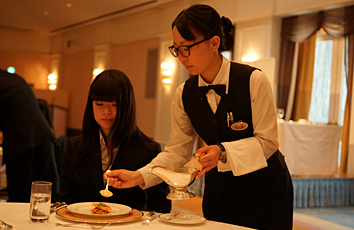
(336, 22)
(294, 29)
(346, 123)
(287, 51)
(303, 90)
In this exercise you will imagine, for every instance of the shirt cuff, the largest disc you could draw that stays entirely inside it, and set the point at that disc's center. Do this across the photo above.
(245, 156)
(224, 167)
(149, 179)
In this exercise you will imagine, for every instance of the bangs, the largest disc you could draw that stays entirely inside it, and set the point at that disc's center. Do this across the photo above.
(185, 31)
(104, 91)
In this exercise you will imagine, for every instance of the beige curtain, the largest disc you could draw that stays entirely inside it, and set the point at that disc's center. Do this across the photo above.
(346, 124)
(336, 22)
(304, 79)
(294, 29)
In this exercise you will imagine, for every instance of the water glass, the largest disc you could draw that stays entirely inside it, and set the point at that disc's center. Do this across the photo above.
(40, 201)
(280, 113)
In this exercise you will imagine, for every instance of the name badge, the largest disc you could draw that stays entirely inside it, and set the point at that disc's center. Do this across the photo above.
(238, 126)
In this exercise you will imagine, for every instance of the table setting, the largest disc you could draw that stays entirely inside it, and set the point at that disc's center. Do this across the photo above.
(16, 215)
(41, 214)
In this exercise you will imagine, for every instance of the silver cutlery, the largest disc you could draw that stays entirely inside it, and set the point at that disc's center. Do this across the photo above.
(106, 192)
(57, 206)
(4, 225)
(169, 217)
(148, 218)
(81, 224)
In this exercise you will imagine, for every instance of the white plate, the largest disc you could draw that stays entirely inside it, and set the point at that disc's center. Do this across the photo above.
(182, 218)
(63, 213)
(85, 208)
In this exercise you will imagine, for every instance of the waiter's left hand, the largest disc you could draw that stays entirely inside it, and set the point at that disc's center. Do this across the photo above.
(208, 157)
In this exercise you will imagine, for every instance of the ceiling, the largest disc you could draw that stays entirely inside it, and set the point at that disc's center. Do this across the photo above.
(50, 16)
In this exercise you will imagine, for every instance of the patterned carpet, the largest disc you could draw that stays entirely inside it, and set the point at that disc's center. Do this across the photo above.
(331, 218)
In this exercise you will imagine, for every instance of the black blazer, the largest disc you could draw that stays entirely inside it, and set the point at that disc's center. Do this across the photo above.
(22, 122)
(135, 155)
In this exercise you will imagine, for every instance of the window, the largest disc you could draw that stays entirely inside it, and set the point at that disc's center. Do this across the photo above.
(329, 88)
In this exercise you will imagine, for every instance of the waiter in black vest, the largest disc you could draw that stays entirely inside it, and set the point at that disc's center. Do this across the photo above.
(231, 107)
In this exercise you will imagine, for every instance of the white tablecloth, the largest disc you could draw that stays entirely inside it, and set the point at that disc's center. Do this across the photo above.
(309, 149)
(16, 214)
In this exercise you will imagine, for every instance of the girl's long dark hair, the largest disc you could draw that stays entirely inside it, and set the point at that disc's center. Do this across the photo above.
(204, 20)
(110, 85)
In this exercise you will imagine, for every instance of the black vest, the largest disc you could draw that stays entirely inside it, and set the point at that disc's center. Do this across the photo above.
(213, 128)
(262, 199)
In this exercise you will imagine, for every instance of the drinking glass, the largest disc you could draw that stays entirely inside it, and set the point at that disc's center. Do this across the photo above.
(40, 201)
(280, 113)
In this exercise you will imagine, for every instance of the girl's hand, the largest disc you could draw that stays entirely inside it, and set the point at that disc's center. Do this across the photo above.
(122, 178)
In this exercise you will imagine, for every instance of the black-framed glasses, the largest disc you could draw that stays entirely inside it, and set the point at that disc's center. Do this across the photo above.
(184, 50)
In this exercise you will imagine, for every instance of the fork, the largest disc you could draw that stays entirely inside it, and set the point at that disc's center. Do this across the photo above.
(169, 217)
(148, 218)
(89, 225)
(57, 206)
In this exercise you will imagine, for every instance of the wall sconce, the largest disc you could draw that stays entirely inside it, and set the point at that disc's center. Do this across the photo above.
(96, 72)
(167, 68)
(249, 58)
(52, 81)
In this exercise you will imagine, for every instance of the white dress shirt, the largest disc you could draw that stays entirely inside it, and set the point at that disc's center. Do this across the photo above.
(105, 158)
(243, 156)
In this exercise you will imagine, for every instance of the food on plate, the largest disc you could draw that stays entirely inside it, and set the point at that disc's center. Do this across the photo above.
(100, 208)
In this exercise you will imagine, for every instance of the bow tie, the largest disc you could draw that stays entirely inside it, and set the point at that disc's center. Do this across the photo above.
(219, 89)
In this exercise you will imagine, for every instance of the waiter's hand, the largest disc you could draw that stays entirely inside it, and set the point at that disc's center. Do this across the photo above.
(208, 157)
(122, 178)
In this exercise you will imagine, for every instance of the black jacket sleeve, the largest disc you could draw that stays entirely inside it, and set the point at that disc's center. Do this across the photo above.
(69, 192)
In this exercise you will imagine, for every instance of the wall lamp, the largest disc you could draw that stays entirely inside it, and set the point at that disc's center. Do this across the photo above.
(52, 81)
(249, 58)
(167, 68)
(96, 72)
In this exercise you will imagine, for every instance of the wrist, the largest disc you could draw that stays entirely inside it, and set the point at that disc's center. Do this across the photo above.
(139, 179)
(222, 157)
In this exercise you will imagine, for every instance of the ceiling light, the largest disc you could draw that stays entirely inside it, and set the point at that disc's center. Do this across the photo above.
(69, 5)
(46, 13)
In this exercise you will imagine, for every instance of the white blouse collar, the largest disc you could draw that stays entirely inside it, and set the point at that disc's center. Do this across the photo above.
(221, 78)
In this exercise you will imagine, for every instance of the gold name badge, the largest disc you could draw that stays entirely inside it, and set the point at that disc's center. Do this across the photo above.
(238, 126)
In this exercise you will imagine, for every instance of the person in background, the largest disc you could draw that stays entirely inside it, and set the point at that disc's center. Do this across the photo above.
(231, 107)
(1, 138)
(28, 150)
(110, 139)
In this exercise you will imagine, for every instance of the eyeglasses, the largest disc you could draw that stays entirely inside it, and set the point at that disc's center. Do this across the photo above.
(184, 50)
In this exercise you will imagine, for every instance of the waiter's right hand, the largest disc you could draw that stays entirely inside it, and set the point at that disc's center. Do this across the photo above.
(208, 157)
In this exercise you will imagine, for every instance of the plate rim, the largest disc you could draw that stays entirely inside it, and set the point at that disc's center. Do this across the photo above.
(99, 215)
(202, 219)
(104, 220)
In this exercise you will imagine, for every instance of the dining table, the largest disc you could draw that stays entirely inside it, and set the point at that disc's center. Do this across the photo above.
(309, 149)
(17, 215)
